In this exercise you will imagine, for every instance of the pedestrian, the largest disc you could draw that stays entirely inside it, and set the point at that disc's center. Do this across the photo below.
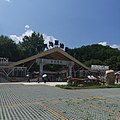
(28, 77)
(44, 78)
(38, 79)
(117, 78)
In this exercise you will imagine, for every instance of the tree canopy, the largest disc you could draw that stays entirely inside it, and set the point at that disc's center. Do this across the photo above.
(31, 45)
(97, 55)
(8, 48)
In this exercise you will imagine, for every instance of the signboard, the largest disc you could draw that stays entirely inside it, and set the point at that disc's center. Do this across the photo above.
(3, 60)
(52, 61)
(99, 67)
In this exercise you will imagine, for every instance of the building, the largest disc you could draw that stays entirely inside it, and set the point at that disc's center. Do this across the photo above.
(72, 67)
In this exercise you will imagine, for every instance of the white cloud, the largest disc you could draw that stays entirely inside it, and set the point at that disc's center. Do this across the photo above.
(48, 38)
(8, 0)
(16, 38)
(115, 46)
(103, 43)
(112, 46)
(28, 32)
(27, 27)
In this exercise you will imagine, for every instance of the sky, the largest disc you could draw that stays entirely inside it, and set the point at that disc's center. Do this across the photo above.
(73, 22)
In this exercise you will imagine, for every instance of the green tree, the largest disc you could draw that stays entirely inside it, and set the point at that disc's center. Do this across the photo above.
(8, 49)
(113, 62)
(97, 54)
(93, 62)
(31, 45)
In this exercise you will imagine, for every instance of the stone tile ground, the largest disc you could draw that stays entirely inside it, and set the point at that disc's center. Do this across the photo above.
(42, 102)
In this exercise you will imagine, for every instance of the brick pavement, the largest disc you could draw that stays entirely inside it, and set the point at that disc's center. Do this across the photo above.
(43, 102)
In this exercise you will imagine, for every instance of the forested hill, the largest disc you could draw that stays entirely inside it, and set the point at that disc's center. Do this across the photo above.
(97, 55)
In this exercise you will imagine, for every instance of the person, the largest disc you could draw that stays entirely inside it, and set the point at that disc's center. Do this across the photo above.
(28, 77)
(44, 78)
(117, 78)
(38, 79)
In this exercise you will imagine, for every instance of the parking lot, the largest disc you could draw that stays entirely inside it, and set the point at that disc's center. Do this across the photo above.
(44, 102)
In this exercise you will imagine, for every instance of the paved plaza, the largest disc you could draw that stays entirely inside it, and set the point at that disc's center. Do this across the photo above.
(38, 101)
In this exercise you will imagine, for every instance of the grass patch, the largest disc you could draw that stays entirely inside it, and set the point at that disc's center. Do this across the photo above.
(88, 87)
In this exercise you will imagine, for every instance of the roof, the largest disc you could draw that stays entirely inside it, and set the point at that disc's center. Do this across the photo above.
(54, 53)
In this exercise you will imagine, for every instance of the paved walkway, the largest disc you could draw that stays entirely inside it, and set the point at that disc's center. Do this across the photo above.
(35, 83)
(47, 83)
(39, 101)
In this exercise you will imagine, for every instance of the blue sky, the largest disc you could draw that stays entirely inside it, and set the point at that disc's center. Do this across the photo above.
(73, 22)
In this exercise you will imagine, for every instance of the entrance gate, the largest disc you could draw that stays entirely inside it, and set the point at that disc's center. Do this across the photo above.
(42, 62)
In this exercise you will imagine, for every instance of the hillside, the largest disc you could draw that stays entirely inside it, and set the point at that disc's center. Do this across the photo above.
(97, 55)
